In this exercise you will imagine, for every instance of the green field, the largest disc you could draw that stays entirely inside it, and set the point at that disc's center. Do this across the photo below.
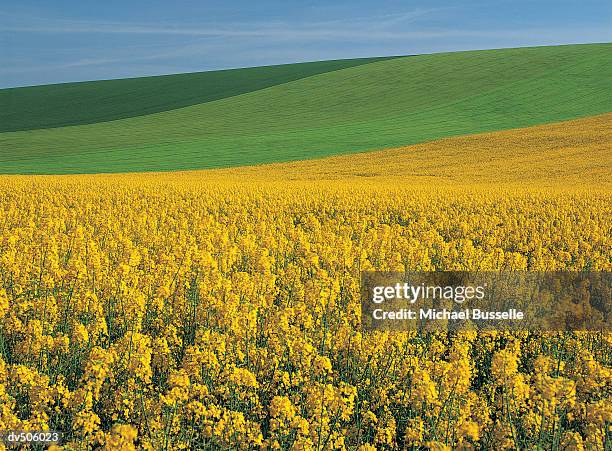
(376, 105)
(97, 101)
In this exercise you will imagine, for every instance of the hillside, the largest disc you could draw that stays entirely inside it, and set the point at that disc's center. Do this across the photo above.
(378, 105)
(557, 154)
(552, 155)
(80, 103)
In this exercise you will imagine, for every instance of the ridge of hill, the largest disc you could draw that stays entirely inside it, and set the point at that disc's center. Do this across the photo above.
(384, 104)
(78, 103)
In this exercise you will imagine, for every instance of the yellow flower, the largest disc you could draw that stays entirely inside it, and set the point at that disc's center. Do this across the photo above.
(122, 437)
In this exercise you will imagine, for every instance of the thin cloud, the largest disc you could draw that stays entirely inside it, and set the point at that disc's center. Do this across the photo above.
(281, 32)
(347, 28)
(381, 27)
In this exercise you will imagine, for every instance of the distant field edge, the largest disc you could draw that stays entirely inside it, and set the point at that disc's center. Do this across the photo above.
(89, 102)
(566, 153)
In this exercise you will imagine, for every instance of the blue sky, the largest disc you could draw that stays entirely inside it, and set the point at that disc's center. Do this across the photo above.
(72, 40)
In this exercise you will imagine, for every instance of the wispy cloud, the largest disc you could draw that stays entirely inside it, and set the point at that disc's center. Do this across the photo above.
(311, 32)
(392, 26)
(381, 27)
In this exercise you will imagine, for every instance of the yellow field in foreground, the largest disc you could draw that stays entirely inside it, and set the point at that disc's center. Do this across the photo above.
(220, 309)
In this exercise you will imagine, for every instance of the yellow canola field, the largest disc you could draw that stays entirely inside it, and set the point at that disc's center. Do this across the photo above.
(567, 154)
(220, 309)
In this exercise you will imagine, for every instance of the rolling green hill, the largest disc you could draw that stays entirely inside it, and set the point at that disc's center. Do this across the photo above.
(97, 101)
(381, 104)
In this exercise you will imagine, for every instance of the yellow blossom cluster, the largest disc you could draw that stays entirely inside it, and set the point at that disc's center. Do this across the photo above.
(144, 312)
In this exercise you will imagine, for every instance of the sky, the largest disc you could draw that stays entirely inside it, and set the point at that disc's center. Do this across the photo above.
(74, 40)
